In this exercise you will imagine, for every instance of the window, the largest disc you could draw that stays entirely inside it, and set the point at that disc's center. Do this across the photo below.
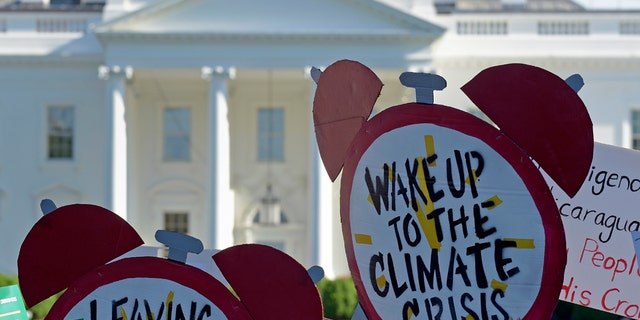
(60, 126)
(271, 134)
(177, 134)
(635, 127)
(176, 222)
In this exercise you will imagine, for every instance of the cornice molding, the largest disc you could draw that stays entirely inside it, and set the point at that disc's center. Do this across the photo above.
(612, 63)
(267, 37)
(401, 16)
(373, 6)
(133, 16)
(91, 61)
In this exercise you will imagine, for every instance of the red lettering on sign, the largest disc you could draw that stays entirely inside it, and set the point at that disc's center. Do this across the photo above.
(591, 253)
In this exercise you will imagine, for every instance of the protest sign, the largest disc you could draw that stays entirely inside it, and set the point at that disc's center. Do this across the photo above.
(11, 304)
(145, 288)
(443, 215)
(602, 267)
(137, 284)
(442, 225)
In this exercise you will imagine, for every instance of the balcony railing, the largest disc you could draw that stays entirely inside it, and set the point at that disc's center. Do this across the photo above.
(482, 27)
(563, 28)
(57, 25)
(629, 27)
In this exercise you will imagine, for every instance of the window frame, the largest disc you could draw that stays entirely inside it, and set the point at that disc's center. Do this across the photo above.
(635, 128)
(270, 146)
(175, 214)
(48, 134)
(188, 134)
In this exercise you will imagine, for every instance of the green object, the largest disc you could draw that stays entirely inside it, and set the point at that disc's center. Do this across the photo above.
(11, 304)
(339, 298)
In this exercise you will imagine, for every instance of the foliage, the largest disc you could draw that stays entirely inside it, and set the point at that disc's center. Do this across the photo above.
(41, 309)
(338, 297)
(6, 280)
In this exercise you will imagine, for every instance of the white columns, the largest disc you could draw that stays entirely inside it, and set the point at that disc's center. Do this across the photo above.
(116, 126)
(320, 203)
(221, 197)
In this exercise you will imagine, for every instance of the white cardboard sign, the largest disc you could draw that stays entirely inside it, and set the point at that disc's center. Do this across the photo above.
(602, 267)
(407, 271)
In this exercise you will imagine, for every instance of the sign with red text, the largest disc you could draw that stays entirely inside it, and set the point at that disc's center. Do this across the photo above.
(602, 268)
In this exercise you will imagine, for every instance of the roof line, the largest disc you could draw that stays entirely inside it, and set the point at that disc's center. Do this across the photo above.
(378, 7)
(392, 12)
(136, 14)
(267, 36)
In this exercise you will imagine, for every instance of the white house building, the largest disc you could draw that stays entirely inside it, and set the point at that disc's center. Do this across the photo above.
(195, 115)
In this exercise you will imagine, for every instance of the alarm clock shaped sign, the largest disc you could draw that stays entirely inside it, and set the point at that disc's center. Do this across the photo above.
(71, 248)
(148, 288)
(443, 215)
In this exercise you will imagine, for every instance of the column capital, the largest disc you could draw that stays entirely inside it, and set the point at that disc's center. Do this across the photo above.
(209, 73)
(106, 72)
(421, 69)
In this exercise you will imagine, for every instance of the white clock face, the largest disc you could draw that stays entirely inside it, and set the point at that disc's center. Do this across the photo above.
(144, 298)
(429, 239)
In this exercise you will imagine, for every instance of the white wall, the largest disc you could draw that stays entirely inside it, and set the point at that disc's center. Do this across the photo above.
(26, 176)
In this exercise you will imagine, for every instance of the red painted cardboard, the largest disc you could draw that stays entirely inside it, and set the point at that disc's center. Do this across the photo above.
(67, 243)
(271, 284)
(542, 114)
(340, 110)
(426, 189)
(147, 288)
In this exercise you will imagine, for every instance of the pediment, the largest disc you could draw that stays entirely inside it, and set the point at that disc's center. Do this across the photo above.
(274, 17)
